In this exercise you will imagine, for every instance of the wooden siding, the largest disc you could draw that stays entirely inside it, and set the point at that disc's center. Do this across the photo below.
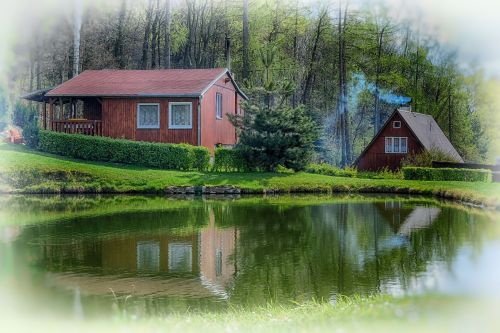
(119, 118)
(375, 158)
(218, 131)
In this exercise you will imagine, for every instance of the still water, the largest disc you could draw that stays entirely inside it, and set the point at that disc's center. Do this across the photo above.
(154, 255)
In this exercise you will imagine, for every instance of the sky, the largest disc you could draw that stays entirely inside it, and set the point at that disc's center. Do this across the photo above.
(470, 27)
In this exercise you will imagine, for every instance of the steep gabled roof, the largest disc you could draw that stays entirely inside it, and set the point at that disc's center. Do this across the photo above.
(426, 131)
(142, 83)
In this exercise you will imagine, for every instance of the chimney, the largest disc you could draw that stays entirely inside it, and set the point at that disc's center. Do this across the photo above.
(228, 52)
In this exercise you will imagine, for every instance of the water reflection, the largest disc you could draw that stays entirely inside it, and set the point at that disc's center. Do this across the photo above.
(206, 253)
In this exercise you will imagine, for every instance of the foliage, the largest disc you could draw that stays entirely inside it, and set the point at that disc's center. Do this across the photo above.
(296, 43)
(157, 155)
(329, 170)
(113, 178)
(200, 157)
(285, 170)
(426, 157)
(27, 119)
(229, 160)
(272, 136)
(447, 174)
(384, 173)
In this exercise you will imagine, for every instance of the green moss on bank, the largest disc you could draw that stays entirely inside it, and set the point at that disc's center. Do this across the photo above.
(27, 171)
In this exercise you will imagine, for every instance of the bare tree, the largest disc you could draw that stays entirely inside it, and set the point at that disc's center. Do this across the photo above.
(147, 35)
(167, 51)
(246, 61)
(119, 41)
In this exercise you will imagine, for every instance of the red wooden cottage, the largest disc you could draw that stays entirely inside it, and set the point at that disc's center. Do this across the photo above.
(171, 105)
(405, 132)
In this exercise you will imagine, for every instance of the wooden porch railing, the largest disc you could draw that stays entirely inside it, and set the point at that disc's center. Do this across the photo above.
(76, 126)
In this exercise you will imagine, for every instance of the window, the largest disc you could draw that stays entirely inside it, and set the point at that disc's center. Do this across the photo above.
(180, 257)
(148, 256)
(388, 145)
(218, 262)
(218, 105)
(180, 115)
(148, 115)
(396, 145)
(396, 124)
(404, 145)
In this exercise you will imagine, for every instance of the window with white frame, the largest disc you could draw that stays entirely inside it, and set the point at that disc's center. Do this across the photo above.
(218, 105)
(396, 145)
(396, 124)
(148, 115)
(180, 115)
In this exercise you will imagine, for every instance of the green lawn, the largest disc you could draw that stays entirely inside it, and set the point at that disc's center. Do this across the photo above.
(24, 170)
(434, 313)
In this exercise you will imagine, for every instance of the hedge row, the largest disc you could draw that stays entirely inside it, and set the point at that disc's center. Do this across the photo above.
(447, 174)
(229, 160)
(95, 148)
(329, 170)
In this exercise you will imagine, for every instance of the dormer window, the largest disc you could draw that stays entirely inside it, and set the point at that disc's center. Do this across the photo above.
(396, 124)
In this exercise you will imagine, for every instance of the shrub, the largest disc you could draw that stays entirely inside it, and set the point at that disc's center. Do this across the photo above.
(201, 158)
(229, 160)
(282, 169)
(447, 174)
(31, 133)
(329, 170)
(157, 155)
(425, 158)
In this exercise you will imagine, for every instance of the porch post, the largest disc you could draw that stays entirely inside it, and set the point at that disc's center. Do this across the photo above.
(51, 112)
(61, 109)
(44, 115)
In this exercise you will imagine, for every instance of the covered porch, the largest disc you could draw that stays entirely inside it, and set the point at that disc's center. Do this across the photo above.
(69, 114)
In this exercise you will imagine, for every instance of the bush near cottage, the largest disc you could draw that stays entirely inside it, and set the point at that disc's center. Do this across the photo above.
(229, 160)
(447, 174)
(94, 148)
(329, 170)
(426, 157)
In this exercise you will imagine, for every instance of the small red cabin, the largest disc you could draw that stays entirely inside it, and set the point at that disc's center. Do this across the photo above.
(405, 132)
(170, 105)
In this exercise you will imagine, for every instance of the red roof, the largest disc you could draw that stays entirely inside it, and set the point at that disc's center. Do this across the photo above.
(152, 83)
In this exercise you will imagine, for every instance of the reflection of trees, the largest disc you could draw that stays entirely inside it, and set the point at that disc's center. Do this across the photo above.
(282, 252)
(316, 251)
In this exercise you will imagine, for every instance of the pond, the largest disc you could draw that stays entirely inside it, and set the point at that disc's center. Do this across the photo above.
(95, 255)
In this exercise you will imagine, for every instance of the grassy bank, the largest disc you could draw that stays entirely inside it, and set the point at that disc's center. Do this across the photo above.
(26, 171)
(434, 313)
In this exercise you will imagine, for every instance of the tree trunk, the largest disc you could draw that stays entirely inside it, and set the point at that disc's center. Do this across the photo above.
(167, 53)
(77, 25)
(154, 37)
(343, 114)
(246, 61)
(377, 119)
(119, 42)
(147, 35)
(310, 69)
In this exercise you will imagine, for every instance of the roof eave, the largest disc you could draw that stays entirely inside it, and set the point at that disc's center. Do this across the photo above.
(228, 73)
(124, 95)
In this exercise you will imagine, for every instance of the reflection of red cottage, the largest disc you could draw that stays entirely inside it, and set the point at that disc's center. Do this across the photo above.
(172, 106)
(405, 132)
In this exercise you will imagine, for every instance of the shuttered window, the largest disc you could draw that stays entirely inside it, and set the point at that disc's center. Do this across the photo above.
(180, 115)
(148, 115)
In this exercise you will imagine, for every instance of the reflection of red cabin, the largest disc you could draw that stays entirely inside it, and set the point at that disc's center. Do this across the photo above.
(171, 105)
(405, 132)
